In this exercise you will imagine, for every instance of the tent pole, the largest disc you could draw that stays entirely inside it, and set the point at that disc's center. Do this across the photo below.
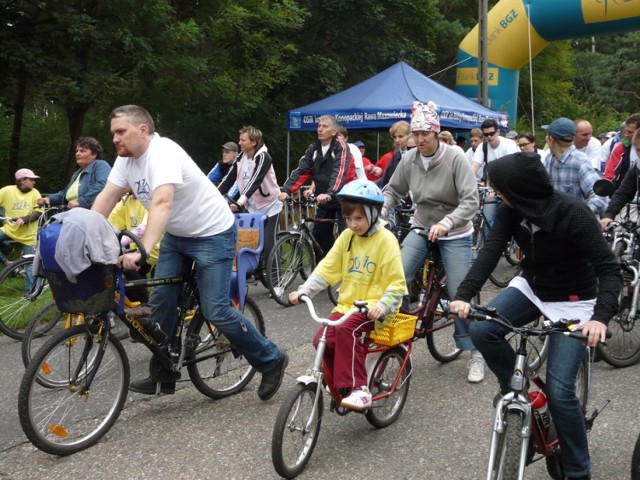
(378, 146)
(288, 150)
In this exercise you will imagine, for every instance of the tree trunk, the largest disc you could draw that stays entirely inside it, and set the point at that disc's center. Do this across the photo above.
(18, 116)
(75, 117)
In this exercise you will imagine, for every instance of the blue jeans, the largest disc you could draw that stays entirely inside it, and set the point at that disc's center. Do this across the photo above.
(563, 362)
(456, 258)
(214, 260)
(26, 250)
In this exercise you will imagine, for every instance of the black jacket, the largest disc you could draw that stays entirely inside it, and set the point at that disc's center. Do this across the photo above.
(625, 193)
(565, 254)
(329, 172)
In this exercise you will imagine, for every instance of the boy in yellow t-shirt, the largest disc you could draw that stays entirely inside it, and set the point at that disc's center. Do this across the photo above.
(366, 258)
(19, 204)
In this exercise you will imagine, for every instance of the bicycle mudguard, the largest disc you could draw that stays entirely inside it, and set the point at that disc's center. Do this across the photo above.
(307, 379)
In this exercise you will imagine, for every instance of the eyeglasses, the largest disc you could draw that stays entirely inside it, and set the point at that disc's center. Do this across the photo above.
(489, 134)
(523, 144)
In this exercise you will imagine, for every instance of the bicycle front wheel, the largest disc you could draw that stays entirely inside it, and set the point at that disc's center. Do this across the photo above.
(92, 377)
(19, 302)
(509, 451)
(334, 292)
(216, 367)
(623, 348)
(440, 341)
(296, 430)
(291, 255)
(387, 370)
(506, 269)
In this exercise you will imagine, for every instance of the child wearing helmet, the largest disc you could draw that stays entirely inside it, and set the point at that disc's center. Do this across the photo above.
(366, 259)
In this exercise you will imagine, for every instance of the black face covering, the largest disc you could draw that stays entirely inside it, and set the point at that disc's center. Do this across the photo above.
(523, 181)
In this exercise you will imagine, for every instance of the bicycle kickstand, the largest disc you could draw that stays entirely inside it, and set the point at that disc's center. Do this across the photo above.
(594, 415)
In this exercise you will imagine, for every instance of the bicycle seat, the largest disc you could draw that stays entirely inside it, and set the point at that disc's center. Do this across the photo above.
(248, 250)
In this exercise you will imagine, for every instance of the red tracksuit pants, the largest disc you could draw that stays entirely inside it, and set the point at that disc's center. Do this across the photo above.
(345, 352)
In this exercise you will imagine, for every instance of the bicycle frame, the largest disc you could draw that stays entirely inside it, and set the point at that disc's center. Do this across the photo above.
(434, 285)
(518, 400)
(317, 372)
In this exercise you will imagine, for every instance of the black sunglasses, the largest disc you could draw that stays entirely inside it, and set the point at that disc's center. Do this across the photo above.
(489, 134)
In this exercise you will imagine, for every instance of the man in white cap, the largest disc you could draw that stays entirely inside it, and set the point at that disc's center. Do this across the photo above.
(19, 204)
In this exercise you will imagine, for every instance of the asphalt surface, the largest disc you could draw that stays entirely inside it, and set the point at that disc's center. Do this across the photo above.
(443, 432)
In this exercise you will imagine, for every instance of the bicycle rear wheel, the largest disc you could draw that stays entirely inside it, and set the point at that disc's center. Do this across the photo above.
(388, 368)
(291, 255)
(583, 380)
(40, 328)
(219, 369)
(18, 303)
(91, 372)
(296, 429)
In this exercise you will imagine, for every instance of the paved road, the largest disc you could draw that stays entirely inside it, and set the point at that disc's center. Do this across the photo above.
(443, 432)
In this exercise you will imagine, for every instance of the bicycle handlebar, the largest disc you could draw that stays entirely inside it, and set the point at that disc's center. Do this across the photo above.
(562, 326)
(360, 307)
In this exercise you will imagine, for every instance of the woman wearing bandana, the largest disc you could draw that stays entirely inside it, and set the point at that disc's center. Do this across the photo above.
(444, 189)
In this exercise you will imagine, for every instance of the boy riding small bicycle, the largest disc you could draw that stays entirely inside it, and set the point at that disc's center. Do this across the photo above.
(366, 259)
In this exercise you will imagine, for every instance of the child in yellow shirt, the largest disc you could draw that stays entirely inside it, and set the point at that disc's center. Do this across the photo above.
(366, 259)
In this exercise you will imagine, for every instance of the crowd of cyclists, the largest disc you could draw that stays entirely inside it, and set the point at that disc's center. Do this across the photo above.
(546, 202)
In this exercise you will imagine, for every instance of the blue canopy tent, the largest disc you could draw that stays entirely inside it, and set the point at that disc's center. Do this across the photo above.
(385, 98)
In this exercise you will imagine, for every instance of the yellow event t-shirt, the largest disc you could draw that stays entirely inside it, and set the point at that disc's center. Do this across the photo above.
(19, 204)
(367, 266)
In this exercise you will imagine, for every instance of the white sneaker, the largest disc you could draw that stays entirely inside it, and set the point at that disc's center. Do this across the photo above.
(359, 399)
(476, 370)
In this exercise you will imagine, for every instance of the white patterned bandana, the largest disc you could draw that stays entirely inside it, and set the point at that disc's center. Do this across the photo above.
(425, 118)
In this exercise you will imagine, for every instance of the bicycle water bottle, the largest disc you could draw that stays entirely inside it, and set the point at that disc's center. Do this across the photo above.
(540, 409)
(153, 329)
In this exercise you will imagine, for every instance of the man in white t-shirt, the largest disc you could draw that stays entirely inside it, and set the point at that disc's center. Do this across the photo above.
(493, 147)
(199, 227)
(586, 143)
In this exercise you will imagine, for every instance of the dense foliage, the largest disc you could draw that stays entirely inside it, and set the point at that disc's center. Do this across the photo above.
(206, 68)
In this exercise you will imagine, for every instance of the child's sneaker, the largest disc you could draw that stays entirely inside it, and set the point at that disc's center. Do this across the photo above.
(359, 399)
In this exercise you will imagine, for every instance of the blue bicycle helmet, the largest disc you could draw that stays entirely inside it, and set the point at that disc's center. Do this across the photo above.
(362, 191)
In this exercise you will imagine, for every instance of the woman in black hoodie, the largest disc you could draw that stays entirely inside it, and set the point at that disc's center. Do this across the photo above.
(569, 271)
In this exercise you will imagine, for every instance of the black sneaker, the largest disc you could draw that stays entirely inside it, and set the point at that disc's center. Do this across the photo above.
(148, 386)
(272, 379)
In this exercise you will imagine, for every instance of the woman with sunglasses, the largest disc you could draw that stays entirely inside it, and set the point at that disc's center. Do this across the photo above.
(527, 143)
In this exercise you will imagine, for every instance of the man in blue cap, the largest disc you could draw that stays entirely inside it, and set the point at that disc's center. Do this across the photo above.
(569, 169)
